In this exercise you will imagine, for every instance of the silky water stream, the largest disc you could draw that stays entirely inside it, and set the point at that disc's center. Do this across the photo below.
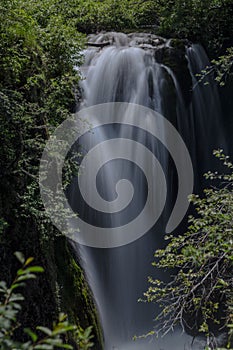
(123, 68)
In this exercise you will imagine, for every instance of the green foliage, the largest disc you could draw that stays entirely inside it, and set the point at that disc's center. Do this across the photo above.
(42, 337)
(200, 294)
(222, 68)
(39, 49)
(83, 338)
(144, 13)
(206, 21)
(93, 16)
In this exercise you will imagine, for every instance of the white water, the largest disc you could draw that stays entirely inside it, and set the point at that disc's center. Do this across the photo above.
(127, 71)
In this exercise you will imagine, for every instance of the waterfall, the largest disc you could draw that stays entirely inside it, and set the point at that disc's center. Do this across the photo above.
(127, 70)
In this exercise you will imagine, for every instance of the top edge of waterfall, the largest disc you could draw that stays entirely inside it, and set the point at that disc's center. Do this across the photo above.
(144, 40)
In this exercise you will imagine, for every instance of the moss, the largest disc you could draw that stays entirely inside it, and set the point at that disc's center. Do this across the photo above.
(177, 44)
(62, 287)
(76, 298)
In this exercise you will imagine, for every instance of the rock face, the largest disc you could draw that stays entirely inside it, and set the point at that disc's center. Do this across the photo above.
(61, 288)
(173, 55)
(75, 295)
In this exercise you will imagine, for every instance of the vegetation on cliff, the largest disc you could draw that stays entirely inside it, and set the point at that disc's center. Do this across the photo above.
(39, 48)
(199, 296)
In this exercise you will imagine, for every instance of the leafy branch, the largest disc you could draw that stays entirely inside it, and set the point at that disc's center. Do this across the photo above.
(43, 338)
(199, 297)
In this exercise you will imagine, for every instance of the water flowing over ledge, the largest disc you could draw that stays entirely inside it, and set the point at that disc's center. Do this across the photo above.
(160, 74)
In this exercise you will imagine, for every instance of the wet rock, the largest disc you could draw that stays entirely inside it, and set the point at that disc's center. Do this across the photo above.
(173, 56)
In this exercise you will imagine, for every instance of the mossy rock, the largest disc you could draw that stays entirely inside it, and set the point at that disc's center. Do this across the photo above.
(178, 44)
(174, 57)
(76, 298)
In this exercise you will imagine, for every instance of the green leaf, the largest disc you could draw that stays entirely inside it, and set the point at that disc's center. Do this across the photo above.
(21, 272)
(65, 346)
(44, 330)
(43, 347)
(16, 297)
(35, 269)
(62, 317)
(26, 277)
(3, 286)
(20, 257)
(28, 261)
(33, 335)
(16, 285)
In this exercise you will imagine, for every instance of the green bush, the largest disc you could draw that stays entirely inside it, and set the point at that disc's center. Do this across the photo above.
(42, 337)
(93, 16)
(206, 21)
(200, 296)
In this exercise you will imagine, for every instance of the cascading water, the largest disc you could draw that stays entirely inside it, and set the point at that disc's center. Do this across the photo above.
(124, 68)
